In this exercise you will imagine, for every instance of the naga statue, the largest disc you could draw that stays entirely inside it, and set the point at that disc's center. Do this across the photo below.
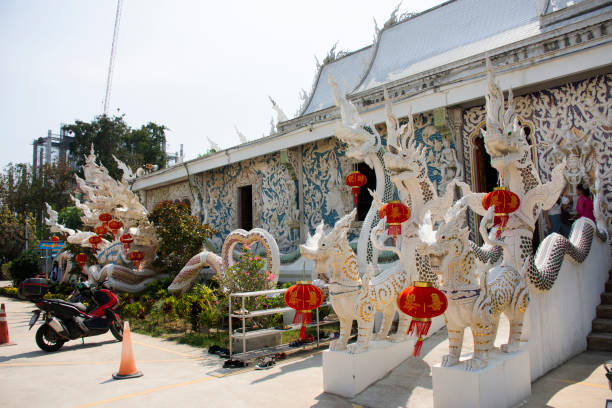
(103, 194)
(473, 300)
(363, 144)
(220, 264)
(506, 144)
(353, 297)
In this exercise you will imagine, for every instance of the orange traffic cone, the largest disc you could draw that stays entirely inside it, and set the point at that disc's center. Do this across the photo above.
(127, 368)
(4, 332)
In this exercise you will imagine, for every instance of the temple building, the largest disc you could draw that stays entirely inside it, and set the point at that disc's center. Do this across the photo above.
(555, 56)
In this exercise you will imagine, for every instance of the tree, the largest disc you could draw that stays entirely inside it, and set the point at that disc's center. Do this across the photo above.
(181, 235)
(70, 217)
(24, 266)
(113, 136)
(12, 233)
(24, 190)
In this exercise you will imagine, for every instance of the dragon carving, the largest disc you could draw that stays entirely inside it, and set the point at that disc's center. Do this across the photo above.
(506, 143)
(474, 300)
(353, 297)
(363, 144)
(103, 194)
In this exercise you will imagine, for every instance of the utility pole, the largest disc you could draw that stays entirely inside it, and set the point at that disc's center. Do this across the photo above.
(109, 78)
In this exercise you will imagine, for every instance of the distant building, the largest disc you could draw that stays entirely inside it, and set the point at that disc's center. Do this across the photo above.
(52, 149)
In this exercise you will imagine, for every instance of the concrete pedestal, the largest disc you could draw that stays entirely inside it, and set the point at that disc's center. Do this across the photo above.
(504, 383)
(348, 374)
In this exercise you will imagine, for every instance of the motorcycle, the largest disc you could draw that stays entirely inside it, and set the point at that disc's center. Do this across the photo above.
(70, 320)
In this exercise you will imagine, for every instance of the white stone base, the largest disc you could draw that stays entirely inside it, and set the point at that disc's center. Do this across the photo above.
(348, 374)
(504, 383)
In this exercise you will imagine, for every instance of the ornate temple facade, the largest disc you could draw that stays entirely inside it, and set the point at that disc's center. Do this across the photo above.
(556, 56)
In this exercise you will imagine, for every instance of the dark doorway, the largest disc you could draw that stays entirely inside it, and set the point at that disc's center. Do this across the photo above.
(245, 207)
(485, 175)
(364, 200)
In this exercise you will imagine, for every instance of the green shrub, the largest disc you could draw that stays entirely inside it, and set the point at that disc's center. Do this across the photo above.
(9, 291)
(135, 309)
(6, 270)
(24, 266)
(181, 235)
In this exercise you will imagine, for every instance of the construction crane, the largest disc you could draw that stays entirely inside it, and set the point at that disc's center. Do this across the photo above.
(109, 78)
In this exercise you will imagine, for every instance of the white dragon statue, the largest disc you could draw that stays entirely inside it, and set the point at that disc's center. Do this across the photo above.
(474, 300)
(510, 153)
(363, 144)
(353, 297)
(103, 194)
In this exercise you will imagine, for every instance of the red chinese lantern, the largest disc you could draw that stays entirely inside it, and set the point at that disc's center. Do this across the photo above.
(81, 259)
(136, 257)
(396, 213)
(126, 240)
(356, 180)
(105, 218)
(422, 302)
(505, 203)
(115, 226)
(54, 238)
(303, 297)
(100, 230)
(94, 240)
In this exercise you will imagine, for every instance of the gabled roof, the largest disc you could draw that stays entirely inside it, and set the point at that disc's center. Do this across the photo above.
(454, 30)
(347, 71)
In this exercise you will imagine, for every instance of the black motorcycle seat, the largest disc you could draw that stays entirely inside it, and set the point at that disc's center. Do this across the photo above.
(78, 305)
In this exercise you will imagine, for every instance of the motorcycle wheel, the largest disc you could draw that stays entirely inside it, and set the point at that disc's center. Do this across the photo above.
(116, 327)
(47, 339)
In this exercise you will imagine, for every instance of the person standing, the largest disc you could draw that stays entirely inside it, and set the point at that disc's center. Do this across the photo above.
(584, 205)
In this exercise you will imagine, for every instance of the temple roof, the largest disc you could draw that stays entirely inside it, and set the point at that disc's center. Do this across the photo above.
(347, 71)
(452, 31)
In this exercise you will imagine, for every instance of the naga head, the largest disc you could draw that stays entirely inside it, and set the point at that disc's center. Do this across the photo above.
(361, 138)
(449, 243)
(325, 248)
(402, 156)
(504, 139)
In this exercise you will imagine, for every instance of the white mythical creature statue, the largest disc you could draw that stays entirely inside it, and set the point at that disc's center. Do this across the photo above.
(364, 144)
(352, 297)
(220, 264)
(473, 302)
(510, 153)
(103, 194)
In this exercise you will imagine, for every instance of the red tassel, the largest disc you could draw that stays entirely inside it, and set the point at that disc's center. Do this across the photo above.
(417, 347)
(304, 317)
(355, 191)
(419, 327)
(395, 230)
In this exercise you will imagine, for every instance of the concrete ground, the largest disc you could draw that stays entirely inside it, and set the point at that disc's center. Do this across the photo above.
(79, 375)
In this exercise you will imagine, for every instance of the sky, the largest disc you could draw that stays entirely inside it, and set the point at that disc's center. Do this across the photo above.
(200, 68)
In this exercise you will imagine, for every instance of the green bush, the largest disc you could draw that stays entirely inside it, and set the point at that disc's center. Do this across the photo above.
(9, 291)
(181, 235)
(6, 271)
(24, 266)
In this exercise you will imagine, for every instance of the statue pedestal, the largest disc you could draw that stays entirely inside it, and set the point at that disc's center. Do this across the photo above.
(348, 374)
(504, 383)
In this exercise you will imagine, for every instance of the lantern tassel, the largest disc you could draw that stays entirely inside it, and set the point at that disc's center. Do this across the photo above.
(417, 347)
(420, 328)
(302, 317)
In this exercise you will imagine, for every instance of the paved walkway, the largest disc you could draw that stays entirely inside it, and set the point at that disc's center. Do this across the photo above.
(79, 375)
